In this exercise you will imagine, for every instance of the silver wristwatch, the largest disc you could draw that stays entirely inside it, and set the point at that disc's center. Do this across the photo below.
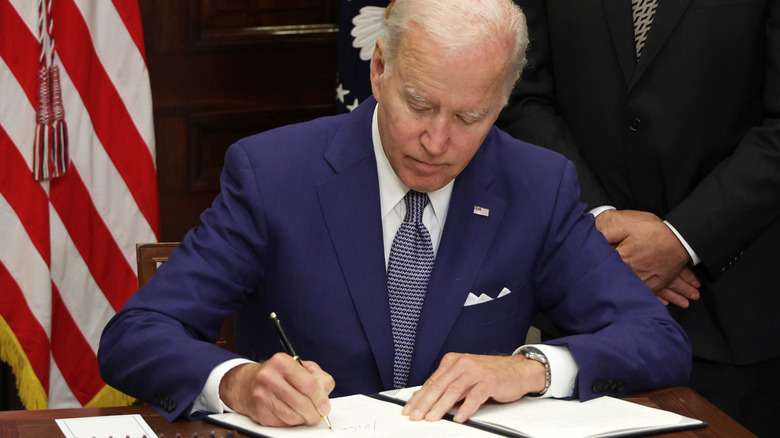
(534, 353)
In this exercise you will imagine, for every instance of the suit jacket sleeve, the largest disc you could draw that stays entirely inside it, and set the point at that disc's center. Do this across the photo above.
(732, 205)
(622, 338)
(160, 347)
(531, 115)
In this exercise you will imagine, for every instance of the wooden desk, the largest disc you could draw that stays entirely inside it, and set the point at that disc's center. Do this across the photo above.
(38, 424)
(688, 402)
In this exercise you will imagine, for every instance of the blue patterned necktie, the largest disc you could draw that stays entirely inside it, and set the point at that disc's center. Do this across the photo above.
(408, 271)
(643, 12)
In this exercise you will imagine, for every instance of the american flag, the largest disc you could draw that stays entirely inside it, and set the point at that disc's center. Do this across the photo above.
(67, 244)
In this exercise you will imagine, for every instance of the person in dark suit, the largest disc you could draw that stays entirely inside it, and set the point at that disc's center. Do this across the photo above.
(307, 224)
(678, 128)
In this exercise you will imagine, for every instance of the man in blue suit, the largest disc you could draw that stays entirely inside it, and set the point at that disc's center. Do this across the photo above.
(305, 225)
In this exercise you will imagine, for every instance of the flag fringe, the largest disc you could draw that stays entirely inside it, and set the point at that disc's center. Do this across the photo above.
(31, 391)
(109, 396)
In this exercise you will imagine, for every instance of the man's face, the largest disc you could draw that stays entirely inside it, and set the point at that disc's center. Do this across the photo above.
(436, 106)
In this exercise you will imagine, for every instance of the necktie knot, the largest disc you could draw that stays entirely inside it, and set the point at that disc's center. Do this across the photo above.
(415, 204)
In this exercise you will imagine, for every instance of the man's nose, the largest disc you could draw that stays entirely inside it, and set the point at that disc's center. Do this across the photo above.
(437, 134)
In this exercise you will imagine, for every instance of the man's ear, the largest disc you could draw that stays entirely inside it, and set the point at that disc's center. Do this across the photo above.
(377, 69)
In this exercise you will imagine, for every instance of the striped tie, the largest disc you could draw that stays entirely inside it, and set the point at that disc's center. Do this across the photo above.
(408, 271)
(643, 18)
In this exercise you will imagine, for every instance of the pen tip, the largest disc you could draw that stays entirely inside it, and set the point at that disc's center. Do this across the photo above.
(273, 314)
(325, 419)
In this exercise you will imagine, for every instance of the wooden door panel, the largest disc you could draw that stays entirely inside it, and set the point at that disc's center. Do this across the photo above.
(224, 69)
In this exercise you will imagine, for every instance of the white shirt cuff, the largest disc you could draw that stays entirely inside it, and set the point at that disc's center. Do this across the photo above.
(695, 260)
(598, 210)
(563, 369)
(208, 400)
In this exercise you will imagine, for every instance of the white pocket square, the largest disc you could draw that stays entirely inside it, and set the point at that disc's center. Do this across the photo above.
(472, 299)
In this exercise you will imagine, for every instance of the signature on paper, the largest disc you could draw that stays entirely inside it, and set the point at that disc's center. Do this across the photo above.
(371, 426)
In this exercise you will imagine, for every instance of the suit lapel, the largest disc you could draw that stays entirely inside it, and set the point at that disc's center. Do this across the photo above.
(350, 205)
(667, 15)
(621, 27)
(465, 243)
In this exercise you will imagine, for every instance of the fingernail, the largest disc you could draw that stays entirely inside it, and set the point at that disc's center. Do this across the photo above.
(432, 416)
(324, 408)
(405, 410)
(416, 415)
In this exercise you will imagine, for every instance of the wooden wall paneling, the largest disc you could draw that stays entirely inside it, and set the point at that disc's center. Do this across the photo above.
(224, 69)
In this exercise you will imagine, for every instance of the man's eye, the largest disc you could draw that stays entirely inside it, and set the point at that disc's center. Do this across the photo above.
(466, 120)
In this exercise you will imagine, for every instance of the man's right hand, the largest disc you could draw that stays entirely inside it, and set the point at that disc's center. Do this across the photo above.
(278, 392)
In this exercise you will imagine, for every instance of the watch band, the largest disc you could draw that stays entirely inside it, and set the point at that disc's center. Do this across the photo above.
(534, 353)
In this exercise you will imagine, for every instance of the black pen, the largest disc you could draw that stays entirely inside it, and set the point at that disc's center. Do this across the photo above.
(291, 351)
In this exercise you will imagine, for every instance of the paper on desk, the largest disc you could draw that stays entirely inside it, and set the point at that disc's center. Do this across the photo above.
(357, 416)
(115, 426)
(553, 418)
(603, 416)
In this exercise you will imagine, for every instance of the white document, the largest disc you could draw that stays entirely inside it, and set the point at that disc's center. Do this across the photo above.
(115, 426)
(553, 418)
(364, 416)
(356, 416)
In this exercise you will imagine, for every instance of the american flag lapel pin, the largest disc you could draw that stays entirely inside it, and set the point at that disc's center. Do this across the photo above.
(482, 211)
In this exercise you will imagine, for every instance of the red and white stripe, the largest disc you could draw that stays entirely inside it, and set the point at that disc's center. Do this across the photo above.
(67, 246)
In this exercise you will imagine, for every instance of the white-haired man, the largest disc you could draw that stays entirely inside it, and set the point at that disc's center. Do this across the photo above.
(409, 242)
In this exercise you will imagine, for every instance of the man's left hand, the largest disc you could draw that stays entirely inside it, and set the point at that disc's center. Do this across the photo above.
(474, 379)
(681, 290)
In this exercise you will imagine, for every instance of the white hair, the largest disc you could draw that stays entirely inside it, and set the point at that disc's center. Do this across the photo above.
(460, 23)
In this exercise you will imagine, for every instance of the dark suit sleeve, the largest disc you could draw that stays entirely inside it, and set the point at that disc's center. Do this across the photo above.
(531, 115)
(160, 347)
(622, 338)
(732, 205)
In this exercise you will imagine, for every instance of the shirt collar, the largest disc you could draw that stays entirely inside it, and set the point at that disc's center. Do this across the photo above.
(392, 190)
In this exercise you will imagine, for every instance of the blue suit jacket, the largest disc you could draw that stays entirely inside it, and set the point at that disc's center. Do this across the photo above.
(296, 230)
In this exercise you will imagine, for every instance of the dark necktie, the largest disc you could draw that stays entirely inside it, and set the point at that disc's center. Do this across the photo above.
(408, 271)
(644, 10)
